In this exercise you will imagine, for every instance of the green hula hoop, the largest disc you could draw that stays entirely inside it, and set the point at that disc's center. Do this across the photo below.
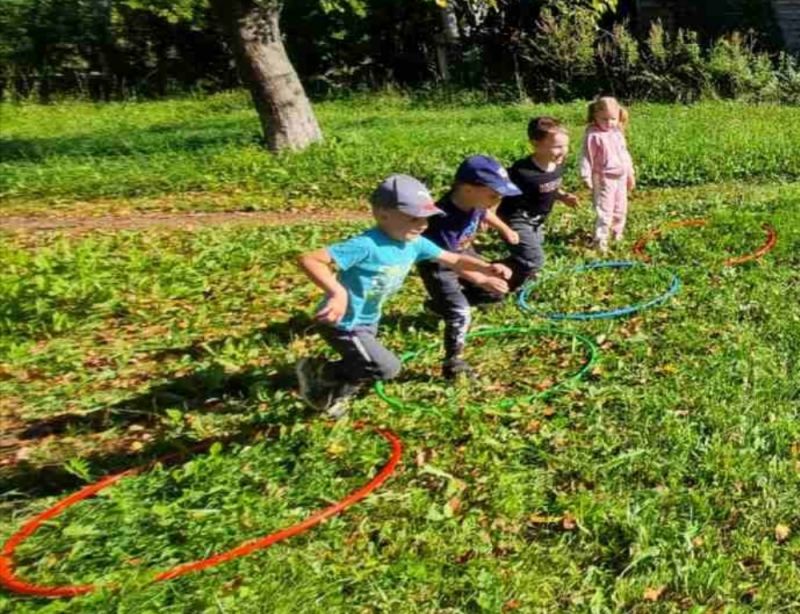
(591, 351)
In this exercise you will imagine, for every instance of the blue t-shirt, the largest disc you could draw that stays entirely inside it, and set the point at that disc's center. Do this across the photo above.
(455, 229)
(372, 267)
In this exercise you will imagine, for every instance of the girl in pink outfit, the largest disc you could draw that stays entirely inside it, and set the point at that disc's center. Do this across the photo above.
(607, 169)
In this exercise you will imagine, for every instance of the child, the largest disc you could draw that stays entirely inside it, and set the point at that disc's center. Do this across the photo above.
(539, 178)
(372, 266)
(607, 168)
(480, 183)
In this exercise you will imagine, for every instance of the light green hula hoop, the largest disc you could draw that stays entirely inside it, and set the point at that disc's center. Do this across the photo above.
(590, 347)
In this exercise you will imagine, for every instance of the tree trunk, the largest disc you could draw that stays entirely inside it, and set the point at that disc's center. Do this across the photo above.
(287, 119)
(447, 40)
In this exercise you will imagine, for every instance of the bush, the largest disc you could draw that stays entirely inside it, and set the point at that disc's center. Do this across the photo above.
(619, 59)
(562, 54)
(672, 67)
(738, 71)
(788, 77)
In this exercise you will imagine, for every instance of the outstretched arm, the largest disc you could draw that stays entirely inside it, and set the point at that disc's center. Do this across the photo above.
(487, 275)
(569, 199)
(317, 265)
(509, 235)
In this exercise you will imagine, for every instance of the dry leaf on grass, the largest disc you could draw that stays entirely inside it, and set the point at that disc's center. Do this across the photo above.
(653, 593)
(782, 533)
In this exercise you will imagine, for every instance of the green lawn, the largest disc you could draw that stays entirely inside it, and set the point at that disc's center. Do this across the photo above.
(665, 481)
(86, 151)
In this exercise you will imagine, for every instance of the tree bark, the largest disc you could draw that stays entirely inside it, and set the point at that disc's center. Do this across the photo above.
(287, 119)
(447, 40)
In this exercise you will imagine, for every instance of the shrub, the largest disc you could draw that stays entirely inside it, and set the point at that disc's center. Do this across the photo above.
(672, 67)
(562, 52)
(619, 59)
(788, 77)
(739, 71)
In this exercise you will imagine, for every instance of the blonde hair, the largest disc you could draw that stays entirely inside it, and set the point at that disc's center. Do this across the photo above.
(605, 103)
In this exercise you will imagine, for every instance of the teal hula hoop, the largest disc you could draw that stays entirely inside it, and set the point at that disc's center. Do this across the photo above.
(672, 290)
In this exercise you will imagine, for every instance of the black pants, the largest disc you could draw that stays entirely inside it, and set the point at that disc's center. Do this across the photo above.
(451, 298)
(527, 256)
(364, 359)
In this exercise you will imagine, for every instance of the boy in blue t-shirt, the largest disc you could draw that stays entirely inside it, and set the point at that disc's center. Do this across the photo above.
(372, 266)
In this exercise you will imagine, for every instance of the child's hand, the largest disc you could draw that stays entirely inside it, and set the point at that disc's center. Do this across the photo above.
(496, 285)
(631, 183)
(501, 270)
(571, 200)
(333, 310)
(511, 237)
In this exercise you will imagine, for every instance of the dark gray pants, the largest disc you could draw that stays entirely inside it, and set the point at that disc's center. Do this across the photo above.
(527, 256)
(451, 298)
(363, 360)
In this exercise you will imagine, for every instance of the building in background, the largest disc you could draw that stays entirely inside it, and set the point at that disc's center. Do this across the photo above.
(776, 23)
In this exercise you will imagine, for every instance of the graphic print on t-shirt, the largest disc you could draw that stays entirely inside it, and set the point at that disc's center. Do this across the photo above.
(539, 189)
(387, 281)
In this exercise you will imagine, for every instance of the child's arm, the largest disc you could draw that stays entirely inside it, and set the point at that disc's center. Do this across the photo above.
(587, 160)
(487, 275)
(509, 235)
(629, 170)
(317, 265)
(569, 199)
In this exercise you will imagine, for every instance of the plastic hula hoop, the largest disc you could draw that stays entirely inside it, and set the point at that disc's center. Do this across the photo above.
(672, 290)
(591, 351)
(10, 581)
(769, 242)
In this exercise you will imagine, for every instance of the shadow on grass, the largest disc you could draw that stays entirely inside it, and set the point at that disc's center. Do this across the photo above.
(212, 390)
(181, 136)
(207, 391)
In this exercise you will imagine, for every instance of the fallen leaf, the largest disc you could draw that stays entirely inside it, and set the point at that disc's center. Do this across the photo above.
(782, 533)
(454, 504)
(654, 593)
(538, 519)
(534, 426)
(335, 449)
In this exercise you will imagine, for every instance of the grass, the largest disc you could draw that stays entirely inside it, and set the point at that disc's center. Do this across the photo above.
(670, 467)
(666, 481)
(85, 151)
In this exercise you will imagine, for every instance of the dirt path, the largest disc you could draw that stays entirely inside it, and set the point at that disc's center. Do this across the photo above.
(171, 221)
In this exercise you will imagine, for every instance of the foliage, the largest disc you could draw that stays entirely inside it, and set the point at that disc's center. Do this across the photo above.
(562, 50)
(204, 148)
(540, 49)
(739, 71)
(672, 66)
(668, 479)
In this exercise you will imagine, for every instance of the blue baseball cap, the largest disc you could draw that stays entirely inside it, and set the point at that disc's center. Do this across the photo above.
(407, 195)
(485, 170)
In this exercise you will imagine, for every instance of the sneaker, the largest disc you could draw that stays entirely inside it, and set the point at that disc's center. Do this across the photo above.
(338, 409)
(341, 397)
(453, 368)
(314, 390)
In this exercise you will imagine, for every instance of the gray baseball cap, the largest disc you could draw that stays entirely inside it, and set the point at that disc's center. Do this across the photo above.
(407, 195)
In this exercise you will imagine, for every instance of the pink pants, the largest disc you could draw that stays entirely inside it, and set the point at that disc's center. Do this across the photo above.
(610, 196)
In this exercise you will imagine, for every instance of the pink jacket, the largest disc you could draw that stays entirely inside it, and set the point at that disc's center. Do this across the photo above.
(605, 153)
